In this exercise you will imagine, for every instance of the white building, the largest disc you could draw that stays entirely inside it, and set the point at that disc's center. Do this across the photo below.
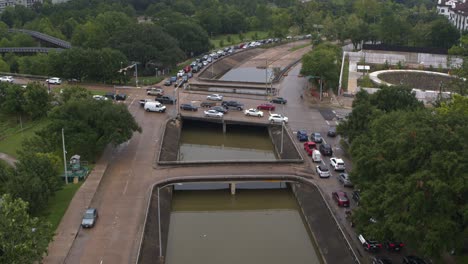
(26, 3)
(456, 11)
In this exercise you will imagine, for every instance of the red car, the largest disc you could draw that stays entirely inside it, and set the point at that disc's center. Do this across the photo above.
(309, 147)
(266, 106)
(341, 198)
(187, 69)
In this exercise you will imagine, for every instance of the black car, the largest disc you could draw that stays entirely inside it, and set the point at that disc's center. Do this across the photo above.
(331, 132)
(167, 83)
(219, 109)
(232, 105)
(369, 244)
(166, 99)
(208, 104)
(381, 260)
(413, 260)
(326, 150)
(356, 196)
(117, 97)
(394, 245)
(279, 100)
(188, 107)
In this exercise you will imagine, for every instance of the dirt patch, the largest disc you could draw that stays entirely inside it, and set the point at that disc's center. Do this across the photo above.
(170, 145)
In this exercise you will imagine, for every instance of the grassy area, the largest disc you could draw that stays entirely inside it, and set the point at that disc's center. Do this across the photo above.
(299, 47)
(146, 80)
(59, 203)
(232, 39)
(461, 259)
(14, 137)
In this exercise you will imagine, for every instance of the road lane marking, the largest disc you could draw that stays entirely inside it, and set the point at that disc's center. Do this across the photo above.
(125, 188)
(327, 122)
(132, 101)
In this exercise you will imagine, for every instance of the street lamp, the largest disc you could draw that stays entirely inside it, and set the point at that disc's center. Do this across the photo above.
(64, 158)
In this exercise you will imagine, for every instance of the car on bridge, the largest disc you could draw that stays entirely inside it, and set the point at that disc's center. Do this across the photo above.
(278, 100)
(219, 108)
(188, 107)
(233, 105)
(214, 97)
(213, 113)
(54, 80)
(267, 106)
(253, 112)
(277, 118)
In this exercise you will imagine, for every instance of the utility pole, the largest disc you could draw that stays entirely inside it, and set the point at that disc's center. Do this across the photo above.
(64, 158)
(266, 77)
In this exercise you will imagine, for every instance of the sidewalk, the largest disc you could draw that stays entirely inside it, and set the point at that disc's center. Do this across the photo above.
(71, 221)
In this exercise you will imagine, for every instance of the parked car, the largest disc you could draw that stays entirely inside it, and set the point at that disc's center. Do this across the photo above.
(155, 91)
(279, 100)
(322, 171)
(166, 99)
(8, 79)
(381, 260)
(302, 135)
(214, 97)
(142, 102)
(180, 73)
(207, 104)
(54, 80)
(356, 196)
(117, 97)
(233, 105)
(309, 147)
(89, 218)
(100, 97)
(266, 106)
(394, 245)
(213, 113)
(413, 260)
(195, 68)
(219, 109)
(316, 137)
(167, 82)
(189, 107)
(253, 112)
(343, 178)
(187, 69)
(277, 118)
(154, 107)
(341, 198)
(326, 150)
(369, 244)
(337, 164)
(331, 132)
(173, 79)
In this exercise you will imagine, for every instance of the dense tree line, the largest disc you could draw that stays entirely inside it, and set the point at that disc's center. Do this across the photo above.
(410, 164)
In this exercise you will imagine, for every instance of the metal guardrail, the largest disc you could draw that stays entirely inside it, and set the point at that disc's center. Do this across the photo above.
(29, 50)
(44, 37)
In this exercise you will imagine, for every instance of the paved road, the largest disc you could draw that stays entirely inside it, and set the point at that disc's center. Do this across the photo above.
(123, 193)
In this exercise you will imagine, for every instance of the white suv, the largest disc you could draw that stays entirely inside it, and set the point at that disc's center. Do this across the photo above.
(7, 79)
(54, 80)
(337, 164)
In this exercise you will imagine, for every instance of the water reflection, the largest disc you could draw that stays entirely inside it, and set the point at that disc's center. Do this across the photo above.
(206, 141)
(248, 74)
(212, 227)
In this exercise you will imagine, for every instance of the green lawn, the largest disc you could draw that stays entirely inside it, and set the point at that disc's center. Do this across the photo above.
(248, 36)
(58, 204)
(11, 143)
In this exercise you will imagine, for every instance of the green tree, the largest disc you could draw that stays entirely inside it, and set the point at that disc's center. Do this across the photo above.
(75, 93)
(323, 62)
(36, 100)
(36, 179)
(13, 100)
(193, 39)
(4, 67)
(23, 239)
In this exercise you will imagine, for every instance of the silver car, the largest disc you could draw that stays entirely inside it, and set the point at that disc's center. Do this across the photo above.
(345, 180)
(89, 218)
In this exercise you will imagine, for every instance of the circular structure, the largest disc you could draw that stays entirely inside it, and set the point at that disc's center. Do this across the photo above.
(425, 80)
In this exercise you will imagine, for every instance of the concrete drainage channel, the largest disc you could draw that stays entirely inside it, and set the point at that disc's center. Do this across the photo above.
(168, 152)
(328, 237)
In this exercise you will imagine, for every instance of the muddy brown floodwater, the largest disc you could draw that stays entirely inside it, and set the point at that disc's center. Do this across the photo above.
(253, 226)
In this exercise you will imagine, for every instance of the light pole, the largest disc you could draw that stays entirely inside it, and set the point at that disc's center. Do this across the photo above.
(64, 158)
(266, 77)
(159, 225)
(282, 129)
(136, 74)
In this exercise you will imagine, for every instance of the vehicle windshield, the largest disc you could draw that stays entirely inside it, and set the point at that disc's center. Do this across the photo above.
(88, 216)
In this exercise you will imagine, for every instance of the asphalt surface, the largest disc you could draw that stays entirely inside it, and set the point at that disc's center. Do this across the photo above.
(122, 195)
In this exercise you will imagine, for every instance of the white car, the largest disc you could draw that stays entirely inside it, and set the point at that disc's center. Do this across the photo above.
(180, 73)
(54, 80)
(7, 79)
(215, 97)
(100, 98)
(337, 164)
(277, 118)
(253, 112)
(322, 171)
(213, 113)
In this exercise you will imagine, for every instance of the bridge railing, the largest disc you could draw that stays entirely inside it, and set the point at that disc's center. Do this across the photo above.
(53, 40)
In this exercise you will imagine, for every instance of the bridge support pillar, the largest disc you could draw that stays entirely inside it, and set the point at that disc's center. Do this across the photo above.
(233, 188)
(224, 128)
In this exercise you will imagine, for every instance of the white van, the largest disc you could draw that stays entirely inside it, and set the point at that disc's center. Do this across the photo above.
(154, 107)
(316, 156)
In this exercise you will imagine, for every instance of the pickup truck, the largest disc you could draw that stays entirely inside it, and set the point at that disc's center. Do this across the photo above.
(165, 99)
(232, 105)
(155, 91)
